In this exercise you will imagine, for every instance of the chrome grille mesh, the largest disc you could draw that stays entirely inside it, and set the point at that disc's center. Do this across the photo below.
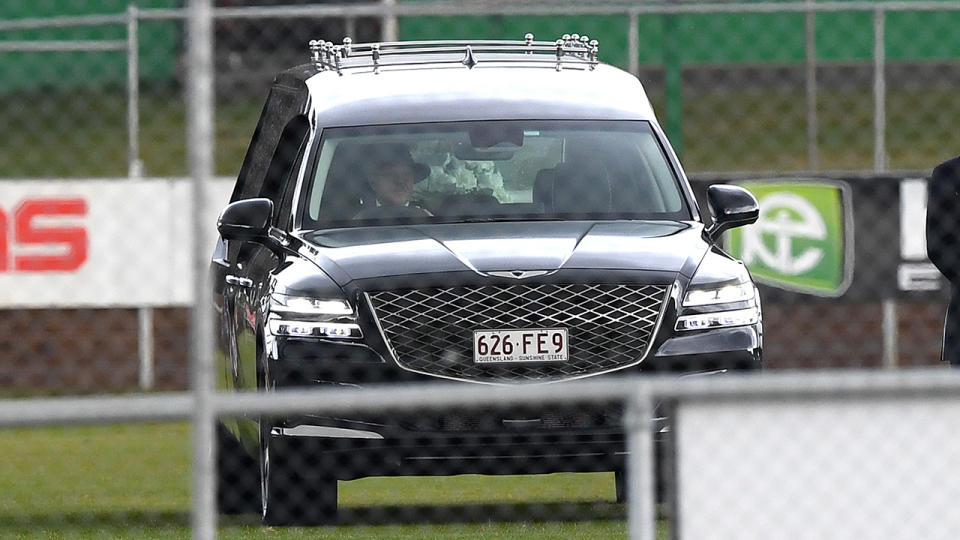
(431, 330)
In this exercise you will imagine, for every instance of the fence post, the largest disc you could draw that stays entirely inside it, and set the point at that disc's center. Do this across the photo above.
(200, 106)
(135, 170)
(390, 28)
(879, 93)
(890, 325)
(350, 27)
(673, 82)
(641, 467)
(145, 375)
(135, 165)
(633, 43)
(880, 164)
(145, 364)
(813, 158)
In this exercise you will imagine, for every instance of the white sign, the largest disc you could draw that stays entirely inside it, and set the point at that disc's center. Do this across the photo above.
(916, 273)
(100, 243)
(913, 217)
(821, 468)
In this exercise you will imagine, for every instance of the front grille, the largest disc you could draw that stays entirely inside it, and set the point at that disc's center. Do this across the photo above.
(431, 330)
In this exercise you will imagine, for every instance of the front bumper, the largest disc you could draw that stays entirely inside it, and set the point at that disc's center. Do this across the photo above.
(571, 438)
(436, 454)
(309, 363)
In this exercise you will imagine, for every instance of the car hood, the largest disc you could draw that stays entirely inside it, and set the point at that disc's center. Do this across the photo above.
(372, 252)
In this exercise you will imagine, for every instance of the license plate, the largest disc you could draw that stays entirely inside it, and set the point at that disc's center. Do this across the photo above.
(528, 345)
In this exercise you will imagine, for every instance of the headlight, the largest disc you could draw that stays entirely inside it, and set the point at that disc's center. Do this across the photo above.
(280, 327)
(720, 293)
(301, 316)
(719, 319)
(310, 308)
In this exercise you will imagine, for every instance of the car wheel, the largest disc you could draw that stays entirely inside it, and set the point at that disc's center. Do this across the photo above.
(238, 489)
(293, 489)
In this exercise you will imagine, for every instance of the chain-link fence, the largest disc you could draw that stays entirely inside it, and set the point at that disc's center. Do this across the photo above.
(831, 115)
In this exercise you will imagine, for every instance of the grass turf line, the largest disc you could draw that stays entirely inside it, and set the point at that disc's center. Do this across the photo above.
(133, 481)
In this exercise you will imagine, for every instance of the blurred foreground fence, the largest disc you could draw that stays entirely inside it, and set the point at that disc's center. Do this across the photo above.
(831, 113)
(826, 455)
(786, 92)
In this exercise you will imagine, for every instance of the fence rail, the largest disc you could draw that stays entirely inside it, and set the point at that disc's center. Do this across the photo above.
(379, 8)
(640, 394)
(932, 383)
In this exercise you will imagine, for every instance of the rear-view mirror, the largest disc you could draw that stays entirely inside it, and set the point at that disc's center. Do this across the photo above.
(500, 134)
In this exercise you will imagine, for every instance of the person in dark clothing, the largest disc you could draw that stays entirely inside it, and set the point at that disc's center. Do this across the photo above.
(943, 246)
(390, 172)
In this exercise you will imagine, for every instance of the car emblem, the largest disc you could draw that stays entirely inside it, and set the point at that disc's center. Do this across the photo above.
(519, 274)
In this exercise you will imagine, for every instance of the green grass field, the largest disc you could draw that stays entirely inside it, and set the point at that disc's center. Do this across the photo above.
(133, 481)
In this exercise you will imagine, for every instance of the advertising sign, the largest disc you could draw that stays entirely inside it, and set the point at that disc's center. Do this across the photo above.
(128, 243)
(803, 238)
(100, 243)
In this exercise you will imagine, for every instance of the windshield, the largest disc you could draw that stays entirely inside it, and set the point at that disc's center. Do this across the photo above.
(489, 171)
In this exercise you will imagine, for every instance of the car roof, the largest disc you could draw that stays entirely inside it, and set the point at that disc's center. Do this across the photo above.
(490, 90)
(422, 81)
(436, 81)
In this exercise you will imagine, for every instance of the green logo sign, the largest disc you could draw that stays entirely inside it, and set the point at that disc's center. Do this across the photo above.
(803, 240)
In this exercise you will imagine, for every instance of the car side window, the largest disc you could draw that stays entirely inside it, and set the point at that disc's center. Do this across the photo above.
(278, 182)
(282, 103)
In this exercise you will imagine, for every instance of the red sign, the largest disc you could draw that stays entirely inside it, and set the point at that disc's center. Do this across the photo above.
(28, 229)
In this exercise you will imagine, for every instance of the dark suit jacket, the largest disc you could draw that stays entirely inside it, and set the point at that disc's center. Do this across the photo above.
(943, 245)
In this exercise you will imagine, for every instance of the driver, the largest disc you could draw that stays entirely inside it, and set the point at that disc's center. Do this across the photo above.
(391, 173)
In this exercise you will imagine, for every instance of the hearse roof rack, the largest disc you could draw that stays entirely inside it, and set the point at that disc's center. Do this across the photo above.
(571, 50)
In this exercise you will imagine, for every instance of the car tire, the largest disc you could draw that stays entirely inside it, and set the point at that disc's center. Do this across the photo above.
(238, 480)
(294, 490)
